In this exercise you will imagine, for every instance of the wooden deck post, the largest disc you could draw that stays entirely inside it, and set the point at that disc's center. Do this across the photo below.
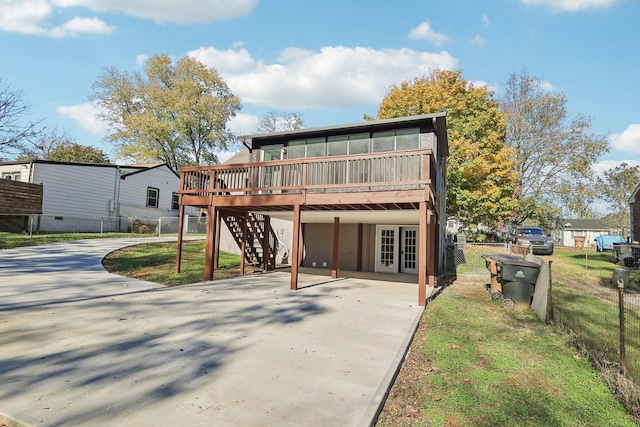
(266, 253)
(336, 247)
(433, 250)
(423, 251)
(179, 249)
(243, 248)
(295, 250)
(216, 250)
(210, 242)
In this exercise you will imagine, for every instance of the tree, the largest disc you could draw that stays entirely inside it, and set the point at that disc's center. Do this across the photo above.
(15, 126)
(177, 115)
(480, 167)
(72, 152)
(555, 152)
(280, 121)
(615, 188)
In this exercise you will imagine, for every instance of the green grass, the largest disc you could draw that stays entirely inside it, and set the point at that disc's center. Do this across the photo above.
(156, 262)
(11, 240)
(477, 364)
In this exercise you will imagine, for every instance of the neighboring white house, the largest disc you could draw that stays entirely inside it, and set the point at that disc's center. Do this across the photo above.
(87, 197)
(587, 228)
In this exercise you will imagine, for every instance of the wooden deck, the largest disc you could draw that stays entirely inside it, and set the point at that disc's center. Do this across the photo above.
(396, 180)
(391, 180)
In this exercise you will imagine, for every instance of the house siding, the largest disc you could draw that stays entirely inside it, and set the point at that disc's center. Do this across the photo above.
(635, 218)
(133, 193)
(318, 241)
(93, 198)
(74, 189)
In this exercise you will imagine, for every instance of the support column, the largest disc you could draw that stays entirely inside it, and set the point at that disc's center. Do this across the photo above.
(179, 248)
(243, 247)
(216, 258)
(359, 268)
(210, 242)
(423, 252)
(433, 251)
(266, 252)
(295, 250)
(336, 247)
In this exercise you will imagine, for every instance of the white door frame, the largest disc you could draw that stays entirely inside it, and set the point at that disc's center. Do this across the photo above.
(391, 256)
(387, 244)
(409, 246)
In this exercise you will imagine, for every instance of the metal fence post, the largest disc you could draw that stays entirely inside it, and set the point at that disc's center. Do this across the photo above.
(621, 321)
(550, 296)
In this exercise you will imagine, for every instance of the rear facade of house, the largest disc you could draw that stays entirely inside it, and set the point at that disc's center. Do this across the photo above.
(366, 197)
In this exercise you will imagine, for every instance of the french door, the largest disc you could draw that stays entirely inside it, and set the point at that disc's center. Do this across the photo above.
(396, 249)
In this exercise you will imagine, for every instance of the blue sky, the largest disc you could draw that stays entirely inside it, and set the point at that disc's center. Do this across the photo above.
(332, 61)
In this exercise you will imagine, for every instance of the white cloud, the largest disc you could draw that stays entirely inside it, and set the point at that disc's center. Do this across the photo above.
(478, 41)
(546, 86)
(627, 141)
(30, 17)
(224, 61)
(334, 77)
(85, 115)
(243, 124)
(485, 20)
(181, 12)
(425, 32)
(142, 59)
(558, 6)
(604, 165)
(78, 26)
(33, 16)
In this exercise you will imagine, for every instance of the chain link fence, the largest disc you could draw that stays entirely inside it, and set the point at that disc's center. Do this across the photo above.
(464, 260)
(36, 224)
(603, 321)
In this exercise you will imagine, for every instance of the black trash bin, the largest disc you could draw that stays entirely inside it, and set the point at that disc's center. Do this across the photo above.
(518, 281)
(491, 260)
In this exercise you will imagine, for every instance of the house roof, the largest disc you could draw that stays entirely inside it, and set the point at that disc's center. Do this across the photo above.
(438, 120)
(585, 224)
(241, 156)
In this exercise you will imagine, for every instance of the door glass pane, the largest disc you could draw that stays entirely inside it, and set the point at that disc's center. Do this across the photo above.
(407, 139)
(387, 253)
(410, 249)
(315, 147)
(383, 141)
(337, 145)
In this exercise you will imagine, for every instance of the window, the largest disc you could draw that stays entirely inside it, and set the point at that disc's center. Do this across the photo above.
(175, 202)
(14, 176)
(153, 194)
(348, 144)
(403, 139)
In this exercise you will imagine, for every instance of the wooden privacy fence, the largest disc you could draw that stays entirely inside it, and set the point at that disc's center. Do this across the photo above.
(20, 198)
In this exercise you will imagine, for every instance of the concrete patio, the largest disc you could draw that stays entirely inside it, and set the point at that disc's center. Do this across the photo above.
(81, 346)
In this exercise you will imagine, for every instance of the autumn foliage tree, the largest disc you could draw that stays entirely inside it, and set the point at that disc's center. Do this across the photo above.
(480, 169)
(176, 115)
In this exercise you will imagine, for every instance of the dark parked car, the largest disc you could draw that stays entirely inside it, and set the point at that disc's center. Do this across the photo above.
(541, 244)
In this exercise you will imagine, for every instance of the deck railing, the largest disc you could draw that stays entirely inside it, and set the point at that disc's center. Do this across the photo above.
(397, 169)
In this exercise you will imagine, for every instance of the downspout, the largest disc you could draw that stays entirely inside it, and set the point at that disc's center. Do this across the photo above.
(116, 199)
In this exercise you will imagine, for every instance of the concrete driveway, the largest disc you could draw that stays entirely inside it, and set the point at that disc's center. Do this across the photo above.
(80, 346)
